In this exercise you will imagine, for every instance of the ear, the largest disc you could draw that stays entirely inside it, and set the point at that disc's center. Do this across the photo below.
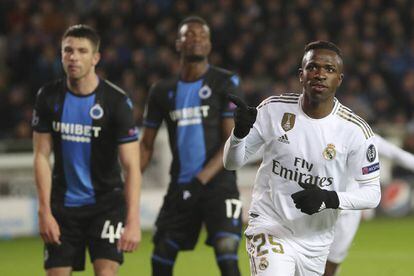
(96, 58)
(300, 75)
(341, 78)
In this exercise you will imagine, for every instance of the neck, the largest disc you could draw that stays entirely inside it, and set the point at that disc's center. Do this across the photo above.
(83, 86)
(191, 71)
(317, 109)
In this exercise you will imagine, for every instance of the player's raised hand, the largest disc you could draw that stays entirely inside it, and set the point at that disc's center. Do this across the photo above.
(244, 116)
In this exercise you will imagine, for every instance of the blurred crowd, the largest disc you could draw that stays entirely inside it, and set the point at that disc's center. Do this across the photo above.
(261, 40)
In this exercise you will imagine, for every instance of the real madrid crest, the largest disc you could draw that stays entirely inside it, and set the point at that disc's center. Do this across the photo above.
(330, 152)
(264, 263)
(96, 112)
(288, 121)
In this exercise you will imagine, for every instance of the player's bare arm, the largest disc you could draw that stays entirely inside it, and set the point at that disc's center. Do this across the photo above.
(48, 227)
(147, 146)
(131, 237)
(216, 163)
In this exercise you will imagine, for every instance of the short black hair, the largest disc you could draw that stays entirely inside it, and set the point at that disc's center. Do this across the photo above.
(192, 19)
(84, 31)
(322, 44)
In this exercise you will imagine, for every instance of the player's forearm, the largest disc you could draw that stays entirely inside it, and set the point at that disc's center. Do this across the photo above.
(145, 155)
(214, 166)
(234, 153)
(367, 196)
(237, 152)
(401, 157)
(43, 179)
(132, 194)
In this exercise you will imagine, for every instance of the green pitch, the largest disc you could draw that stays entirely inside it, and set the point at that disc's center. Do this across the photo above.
(382, 247)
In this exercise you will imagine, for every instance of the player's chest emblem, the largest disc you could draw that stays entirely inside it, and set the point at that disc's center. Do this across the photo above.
(96, 112)
(288, 121)
(204, 92)
(330, 152)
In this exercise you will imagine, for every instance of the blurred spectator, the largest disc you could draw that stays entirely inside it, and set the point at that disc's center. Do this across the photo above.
(258, 39)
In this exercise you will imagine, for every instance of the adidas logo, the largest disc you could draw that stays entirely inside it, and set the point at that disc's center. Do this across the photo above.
(284, 139)
(323, 206)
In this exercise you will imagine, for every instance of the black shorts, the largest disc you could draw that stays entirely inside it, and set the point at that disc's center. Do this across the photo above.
(97, 229)
(218, 207)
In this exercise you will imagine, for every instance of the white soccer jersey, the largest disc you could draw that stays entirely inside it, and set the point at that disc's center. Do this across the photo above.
(330, 152)
(348, 221)
(389, 150)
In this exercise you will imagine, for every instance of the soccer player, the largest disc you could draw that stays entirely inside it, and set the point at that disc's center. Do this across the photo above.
(313, 148)
(348, 220)
(198, 115)
(83, 203)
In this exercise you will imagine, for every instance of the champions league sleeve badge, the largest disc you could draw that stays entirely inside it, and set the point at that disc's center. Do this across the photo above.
(96, 112)
(371, 153)
(329, 153)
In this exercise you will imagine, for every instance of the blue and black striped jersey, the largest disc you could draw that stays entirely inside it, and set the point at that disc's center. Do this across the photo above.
(193, 112)
(86, 132)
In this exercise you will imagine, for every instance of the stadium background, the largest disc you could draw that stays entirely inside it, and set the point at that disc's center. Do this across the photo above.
(260, 40)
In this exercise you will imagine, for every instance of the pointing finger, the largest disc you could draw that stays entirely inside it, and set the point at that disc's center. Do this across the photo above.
(237, 101)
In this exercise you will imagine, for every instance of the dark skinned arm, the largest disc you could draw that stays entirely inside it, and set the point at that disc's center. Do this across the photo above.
(215, 164)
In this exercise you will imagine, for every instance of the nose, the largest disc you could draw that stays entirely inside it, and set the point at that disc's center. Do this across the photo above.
(197, 39)
(320, 74)
(73, 56)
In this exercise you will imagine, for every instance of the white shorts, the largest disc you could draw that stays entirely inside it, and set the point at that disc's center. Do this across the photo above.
(345, 229)
(271, 256)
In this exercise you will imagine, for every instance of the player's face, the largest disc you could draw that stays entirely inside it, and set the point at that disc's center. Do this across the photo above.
(78, 57)
(194, 42)
(321, 74)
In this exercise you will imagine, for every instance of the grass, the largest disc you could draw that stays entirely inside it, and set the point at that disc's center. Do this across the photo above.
(383, 246)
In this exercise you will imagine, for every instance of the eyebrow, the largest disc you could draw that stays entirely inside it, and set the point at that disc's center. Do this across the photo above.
(71, 47)
(319, 64)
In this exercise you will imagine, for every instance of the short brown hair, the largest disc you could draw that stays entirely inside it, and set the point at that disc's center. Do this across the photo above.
(84, 31)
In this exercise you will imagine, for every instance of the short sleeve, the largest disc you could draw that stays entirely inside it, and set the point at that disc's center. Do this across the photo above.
(152, 115)
(126, 130)
(363, 161)
(232, 86)
(41, 118)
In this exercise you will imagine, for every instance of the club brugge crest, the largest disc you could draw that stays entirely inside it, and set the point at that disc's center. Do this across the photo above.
(288, 121)
(96, 112)
(329, 153)
(204, 92)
